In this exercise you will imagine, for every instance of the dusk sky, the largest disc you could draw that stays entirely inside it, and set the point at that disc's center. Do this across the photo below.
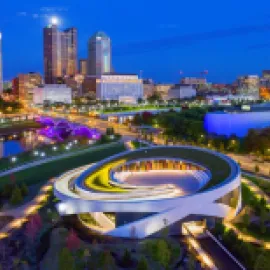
(228, 38)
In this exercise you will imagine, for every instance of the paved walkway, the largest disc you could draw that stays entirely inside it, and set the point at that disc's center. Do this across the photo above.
(47, 160)
(245, 237)
(22, 213)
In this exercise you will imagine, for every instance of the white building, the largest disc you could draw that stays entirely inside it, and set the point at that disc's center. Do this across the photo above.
(124, 88)
(52, 93)
(181, 91)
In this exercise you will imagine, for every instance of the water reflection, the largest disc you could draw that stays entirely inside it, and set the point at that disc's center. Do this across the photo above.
(14, 144)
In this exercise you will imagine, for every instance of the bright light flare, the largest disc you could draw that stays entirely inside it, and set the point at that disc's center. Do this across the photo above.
(55, 20)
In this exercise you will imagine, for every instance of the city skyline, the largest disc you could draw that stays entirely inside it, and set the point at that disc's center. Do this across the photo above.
(160, 47)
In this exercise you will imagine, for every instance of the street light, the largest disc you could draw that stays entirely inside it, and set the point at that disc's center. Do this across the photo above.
(13, 159)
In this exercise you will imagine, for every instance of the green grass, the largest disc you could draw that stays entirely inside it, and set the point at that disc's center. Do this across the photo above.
(262, 184)
(28, 156)
(137, 144)
(14, 126)
(134, 109)
(46, 171)
(254, 230)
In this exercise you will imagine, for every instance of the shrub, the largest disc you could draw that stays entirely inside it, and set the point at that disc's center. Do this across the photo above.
(66, 260)
(16, 197)
(142, 265)
(256, 168)
(24, 190)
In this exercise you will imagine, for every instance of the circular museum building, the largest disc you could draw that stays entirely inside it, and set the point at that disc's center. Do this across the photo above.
(138, 193)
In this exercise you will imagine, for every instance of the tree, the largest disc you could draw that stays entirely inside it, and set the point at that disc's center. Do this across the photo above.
(73, 242)
(126, 259)
(24, 189)
(162, 253)
(262, 262)
(257, 169)
(191, 263)
(33, 226)
(246, 220)
(16, 197)
(142, 265)
(106, 260)
(66, 260)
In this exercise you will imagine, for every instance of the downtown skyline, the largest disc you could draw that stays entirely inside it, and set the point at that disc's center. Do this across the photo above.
(160, 48)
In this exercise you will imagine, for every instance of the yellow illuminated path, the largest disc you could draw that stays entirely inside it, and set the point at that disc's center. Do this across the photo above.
(22, 213)
(245, 237)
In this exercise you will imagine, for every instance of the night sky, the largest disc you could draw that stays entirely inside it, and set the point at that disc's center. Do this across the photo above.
(228, 38)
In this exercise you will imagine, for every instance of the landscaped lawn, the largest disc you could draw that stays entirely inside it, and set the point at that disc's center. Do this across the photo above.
(262, 184)
(46, 171)
(29, 156)
(16, 126)
(137, 144)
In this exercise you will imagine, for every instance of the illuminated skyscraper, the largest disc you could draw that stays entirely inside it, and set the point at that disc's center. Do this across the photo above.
(83, 67)
(99, 55)
(60, 53)
(1, 65)
(69, 52)
(52, 54)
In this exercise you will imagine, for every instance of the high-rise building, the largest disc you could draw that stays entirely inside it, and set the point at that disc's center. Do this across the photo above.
(83, 67)
(24, 85)
(99, 55)
(60, 53)
(69, 59)
(1, 65)
(248, 86)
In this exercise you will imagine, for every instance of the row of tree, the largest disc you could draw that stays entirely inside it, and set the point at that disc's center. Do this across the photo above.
(253, 257)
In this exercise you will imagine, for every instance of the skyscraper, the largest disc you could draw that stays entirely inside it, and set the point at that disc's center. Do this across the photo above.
(99, 55)
(69, 52)
(83, 67)
(60, 53)
(1, 65)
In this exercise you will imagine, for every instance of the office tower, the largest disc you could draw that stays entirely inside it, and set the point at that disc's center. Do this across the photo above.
(83, 67)
(248, 86)
(24, 85)
(1, 65)
(60, 53)
(69, 52)
(99, 55)
(52, 53)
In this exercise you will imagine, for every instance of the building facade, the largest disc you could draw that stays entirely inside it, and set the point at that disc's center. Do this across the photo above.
(194, 81)
(99, 60)
(83, 67)
(181, 91)
(248, 85)
(24, 84)
(236, 123)
(69, 60)
(1, 65)
(163, 89)
(125, 88)
(52, 93)
(148, 88)
(60, 53)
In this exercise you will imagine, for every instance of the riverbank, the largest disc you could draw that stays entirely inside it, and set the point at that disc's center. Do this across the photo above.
(15, 127)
